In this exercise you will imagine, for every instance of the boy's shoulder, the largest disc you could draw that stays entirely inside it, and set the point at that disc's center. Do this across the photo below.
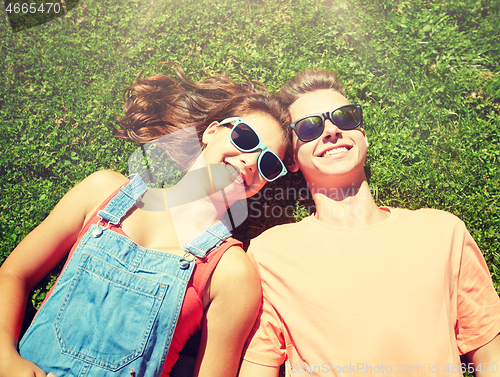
(280, 238)
(428, 215)
(282, 230)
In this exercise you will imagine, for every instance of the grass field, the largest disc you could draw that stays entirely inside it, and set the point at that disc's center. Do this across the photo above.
(427, 73)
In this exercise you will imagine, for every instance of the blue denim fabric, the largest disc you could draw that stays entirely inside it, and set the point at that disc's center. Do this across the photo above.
(205, 242)
(116, 304)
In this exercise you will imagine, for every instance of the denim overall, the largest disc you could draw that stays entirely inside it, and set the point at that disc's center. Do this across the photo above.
(115, 305)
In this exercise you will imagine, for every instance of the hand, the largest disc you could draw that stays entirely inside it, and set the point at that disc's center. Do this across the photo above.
(15, 366)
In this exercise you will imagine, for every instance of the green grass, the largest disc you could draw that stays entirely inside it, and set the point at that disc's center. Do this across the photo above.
(426, 72)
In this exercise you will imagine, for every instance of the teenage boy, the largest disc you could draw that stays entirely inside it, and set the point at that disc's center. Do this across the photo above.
(358, 290)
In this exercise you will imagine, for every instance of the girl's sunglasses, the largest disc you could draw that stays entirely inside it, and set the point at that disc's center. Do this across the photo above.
(311, 127)
(247, 140)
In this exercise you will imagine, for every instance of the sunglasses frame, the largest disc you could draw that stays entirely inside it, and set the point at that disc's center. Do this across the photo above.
(263, 147)
(328, 115)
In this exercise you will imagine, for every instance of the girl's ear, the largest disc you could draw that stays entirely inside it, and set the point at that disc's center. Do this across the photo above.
(209, 132)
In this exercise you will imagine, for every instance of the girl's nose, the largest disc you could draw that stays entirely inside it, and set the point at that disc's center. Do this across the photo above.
(250, 160)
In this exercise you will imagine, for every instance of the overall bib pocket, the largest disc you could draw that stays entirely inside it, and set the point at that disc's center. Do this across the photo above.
(107, 314)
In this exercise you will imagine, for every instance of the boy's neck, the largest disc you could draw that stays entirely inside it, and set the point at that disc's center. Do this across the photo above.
(348, 205)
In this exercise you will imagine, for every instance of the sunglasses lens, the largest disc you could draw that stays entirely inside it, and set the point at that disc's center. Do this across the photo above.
(310, 128)
(244, 137)
(346, 118)
(270, 165)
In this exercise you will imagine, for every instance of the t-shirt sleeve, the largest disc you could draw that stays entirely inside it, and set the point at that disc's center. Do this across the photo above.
(265, 344)
(478, 306)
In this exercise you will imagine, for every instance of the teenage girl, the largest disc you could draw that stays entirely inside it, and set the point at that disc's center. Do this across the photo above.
(129, 295)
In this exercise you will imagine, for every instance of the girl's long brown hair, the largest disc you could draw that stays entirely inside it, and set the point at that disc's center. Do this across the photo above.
(159, 105)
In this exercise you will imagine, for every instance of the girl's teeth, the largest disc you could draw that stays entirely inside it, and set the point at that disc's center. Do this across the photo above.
(334, 151)
(234, 173)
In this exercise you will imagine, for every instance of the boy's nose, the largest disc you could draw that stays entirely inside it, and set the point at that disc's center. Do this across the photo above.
(330, 129)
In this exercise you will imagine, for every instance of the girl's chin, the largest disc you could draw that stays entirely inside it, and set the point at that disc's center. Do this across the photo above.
(235, 191)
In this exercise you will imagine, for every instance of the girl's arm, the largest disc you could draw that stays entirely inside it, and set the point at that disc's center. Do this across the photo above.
(38, 253)
(235, 297)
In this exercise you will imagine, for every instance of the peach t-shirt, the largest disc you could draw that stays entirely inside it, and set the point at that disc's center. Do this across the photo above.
(405, 296)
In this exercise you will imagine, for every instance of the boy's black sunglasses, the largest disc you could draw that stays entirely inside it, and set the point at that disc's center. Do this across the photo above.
(311, 127)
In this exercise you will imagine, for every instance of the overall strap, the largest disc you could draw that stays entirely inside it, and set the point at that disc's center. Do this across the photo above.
(210, 239)
(124, 200)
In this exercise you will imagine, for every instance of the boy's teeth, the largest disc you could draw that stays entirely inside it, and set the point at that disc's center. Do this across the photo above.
(334, 151)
